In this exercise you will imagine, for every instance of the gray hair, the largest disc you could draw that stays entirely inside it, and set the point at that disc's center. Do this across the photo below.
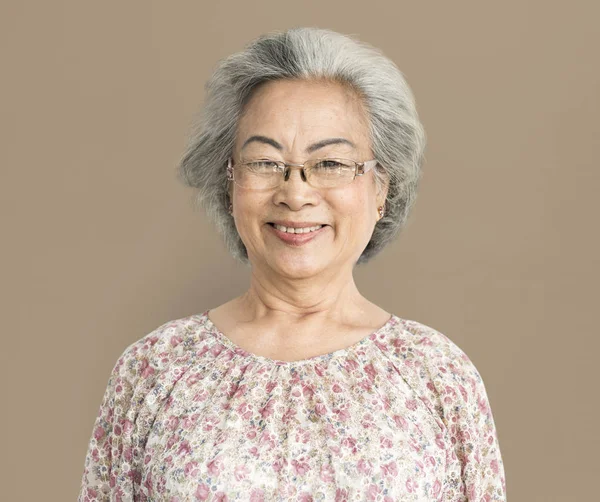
(397, 136)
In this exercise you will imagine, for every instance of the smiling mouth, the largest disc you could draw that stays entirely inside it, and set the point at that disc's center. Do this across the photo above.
(295, 230)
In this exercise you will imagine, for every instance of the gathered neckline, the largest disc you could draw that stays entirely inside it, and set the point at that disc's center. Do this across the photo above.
(221, 337)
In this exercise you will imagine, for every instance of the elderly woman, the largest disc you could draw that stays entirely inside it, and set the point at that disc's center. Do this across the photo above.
(307, 156)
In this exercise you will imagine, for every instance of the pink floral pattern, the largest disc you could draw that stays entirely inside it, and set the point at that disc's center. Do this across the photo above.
(187, 415)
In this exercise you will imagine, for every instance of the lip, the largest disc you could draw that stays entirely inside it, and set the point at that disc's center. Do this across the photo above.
(297, 239)
(296, 224)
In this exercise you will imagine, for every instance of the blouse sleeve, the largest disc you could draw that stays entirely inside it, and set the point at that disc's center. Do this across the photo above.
(468, 417)
(112, 470)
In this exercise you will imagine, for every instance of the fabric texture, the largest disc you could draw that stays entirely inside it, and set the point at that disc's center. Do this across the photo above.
(401, 415)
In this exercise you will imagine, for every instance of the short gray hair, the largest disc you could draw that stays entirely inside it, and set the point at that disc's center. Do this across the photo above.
(397, 135)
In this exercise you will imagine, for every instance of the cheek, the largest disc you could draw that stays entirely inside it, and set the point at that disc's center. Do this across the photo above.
(354, 208)
(247, 211)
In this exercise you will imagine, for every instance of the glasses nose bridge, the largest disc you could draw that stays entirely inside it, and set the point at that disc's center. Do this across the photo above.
(288, 166)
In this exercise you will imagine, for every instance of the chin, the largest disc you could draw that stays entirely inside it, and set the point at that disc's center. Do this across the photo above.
(299, 266)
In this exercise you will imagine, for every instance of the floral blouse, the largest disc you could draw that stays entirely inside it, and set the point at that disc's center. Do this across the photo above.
(401, 415)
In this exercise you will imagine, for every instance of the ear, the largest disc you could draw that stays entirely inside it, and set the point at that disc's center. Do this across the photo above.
(229, 181)
(383, 191)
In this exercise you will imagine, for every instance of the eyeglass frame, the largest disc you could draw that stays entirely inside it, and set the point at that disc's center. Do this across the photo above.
(360, 168)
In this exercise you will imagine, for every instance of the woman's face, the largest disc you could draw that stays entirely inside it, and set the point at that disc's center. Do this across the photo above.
(291, 117)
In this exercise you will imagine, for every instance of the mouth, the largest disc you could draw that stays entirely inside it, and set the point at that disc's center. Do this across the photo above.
(297, 229)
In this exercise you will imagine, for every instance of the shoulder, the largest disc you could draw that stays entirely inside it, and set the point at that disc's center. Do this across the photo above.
(435, 366)
(139, 384)
(420, 343)
(156, 351)
(448, 382)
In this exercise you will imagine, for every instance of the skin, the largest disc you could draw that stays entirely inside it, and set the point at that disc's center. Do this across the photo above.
(302, 300)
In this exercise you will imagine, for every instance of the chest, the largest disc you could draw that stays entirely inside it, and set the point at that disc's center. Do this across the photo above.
(265, 436)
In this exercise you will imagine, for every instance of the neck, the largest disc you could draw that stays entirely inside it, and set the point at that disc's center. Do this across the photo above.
(330, 297)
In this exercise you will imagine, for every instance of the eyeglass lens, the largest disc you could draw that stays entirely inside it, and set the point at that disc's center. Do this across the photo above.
(320, 173)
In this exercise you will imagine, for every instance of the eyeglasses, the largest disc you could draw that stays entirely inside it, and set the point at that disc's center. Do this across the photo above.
(264, 174)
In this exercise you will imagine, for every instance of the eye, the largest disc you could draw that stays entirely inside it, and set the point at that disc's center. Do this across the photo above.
(262, 166)
(333, 165)
(328, 164)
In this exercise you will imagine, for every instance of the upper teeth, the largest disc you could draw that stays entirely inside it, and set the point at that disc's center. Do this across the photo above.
(293, 230)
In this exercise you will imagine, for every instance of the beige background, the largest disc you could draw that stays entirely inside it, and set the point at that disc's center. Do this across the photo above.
(101, 245)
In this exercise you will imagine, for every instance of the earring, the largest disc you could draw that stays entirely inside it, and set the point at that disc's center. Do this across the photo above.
(381, 211)
(230, 208)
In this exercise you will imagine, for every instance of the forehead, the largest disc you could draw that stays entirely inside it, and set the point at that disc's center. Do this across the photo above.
(295, 112)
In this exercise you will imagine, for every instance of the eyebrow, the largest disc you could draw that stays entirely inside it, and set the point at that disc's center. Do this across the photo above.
(310, 149)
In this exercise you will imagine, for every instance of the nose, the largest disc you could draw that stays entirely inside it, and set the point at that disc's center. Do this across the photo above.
(294, 192)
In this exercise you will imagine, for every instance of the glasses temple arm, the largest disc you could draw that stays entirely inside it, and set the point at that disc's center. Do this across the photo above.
(366, 166)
